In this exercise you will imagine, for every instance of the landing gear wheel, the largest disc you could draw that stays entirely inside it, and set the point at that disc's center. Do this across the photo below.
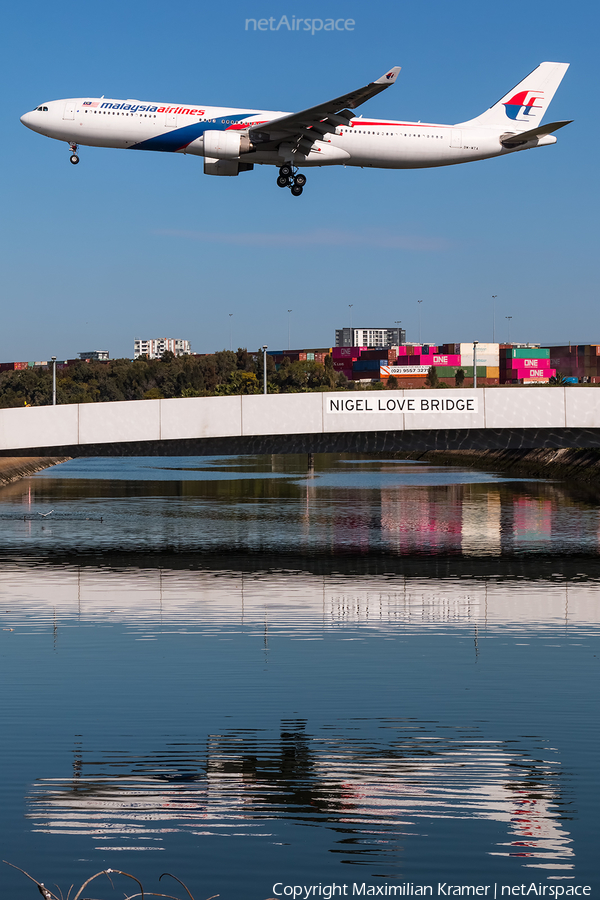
(285, 171)
(297, 189)
(74, 159)
(300, 180)
(283, 181)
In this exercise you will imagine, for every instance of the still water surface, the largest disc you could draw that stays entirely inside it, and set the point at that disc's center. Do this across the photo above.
(248, 674)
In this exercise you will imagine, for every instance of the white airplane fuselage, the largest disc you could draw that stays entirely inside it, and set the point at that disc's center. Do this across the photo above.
(365, 142)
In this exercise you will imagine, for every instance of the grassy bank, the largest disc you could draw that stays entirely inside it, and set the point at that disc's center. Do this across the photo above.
(579, 464)
(14, 467)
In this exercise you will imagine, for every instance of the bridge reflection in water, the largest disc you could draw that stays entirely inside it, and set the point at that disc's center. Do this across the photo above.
(272, 504)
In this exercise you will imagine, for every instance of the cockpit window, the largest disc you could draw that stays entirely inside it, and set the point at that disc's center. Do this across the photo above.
(41, 109)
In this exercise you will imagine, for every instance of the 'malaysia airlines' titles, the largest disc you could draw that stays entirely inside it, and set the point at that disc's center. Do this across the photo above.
(132, 107)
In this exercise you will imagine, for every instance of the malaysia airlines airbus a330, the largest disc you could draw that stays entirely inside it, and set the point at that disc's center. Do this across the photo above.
(234, 140)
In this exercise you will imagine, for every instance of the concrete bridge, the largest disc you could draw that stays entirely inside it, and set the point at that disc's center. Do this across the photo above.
(366, 421)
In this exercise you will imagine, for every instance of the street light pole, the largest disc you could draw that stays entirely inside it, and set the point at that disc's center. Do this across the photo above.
(53, 381)
(264, 350)
(230, 333)
(289, 311)
(494, 318)
(509, 318)
(350, 305)
(419, 302)
(398, 322)
(475, 363)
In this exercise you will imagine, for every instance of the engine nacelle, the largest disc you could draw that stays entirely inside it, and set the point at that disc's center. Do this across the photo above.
(226, 144)
(225, 166)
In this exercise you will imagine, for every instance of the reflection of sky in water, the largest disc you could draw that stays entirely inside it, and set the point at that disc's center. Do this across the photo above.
(273, 504)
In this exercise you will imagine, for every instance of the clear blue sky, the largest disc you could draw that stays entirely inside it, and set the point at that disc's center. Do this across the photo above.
(145, 245)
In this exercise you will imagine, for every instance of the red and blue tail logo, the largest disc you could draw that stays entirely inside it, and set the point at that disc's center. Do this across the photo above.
(522, 105)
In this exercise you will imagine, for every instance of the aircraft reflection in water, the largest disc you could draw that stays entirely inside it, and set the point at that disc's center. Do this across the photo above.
(372, 798)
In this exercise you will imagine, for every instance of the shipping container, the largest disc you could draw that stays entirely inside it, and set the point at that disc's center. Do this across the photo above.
(487, 354)
(528, 362)
(518, 374)
(436, 359)
(368, 365)
(347, 352)
(527, 353)
(482, 371)
(379, 354)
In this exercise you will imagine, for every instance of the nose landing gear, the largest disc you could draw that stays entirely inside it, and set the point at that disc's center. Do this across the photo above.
(288, 178)
(74, 158)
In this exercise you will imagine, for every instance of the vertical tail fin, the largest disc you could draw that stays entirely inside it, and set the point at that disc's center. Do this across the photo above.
(523, 107)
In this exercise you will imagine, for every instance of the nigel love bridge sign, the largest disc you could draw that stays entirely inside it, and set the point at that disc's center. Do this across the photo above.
(369, 421)
(411, 403)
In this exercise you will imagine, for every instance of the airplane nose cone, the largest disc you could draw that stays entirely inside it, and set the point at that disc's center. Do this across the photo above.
(26, 119)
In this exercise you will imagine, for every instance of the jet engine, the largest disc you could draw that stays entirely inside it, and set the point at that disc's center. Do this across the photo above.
(226, 144)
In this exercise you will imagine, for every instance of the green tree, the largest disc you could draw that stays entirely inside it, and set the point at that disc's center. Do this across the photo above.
(432, 379)
(240, 383)
(459, 378)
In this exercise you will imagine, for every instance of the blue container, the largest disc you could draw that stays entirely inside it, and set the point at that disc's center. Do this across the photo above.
(369, 365)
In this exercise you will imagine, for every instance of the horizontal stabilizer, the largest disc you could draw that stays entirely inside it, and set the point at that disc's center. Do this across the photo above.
(522, 137)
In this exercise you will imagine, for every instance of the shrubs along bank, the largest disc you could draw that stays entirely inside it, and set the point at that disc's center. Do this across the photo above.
(215, 374)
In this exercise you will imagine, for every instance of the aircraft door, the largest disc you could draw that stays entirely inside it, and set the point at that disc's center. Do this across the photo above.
(170, 120)
(69, 112)
(456, 138)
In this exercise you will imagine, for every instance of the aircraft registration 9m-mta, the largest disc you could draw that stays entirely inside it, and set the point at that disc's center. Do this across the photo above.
(235, 140)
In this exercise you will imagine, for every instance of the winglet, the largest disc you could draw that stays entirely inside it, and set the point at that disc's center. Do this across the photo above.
(389, 77)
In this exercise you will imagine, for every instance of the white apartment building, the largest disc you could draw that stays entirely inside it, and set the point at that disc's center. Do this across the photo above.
(369, 337)
(154, 348)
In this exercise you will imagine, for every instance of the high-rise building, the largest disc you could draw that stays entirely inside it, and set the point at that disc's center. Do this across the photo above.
(154, 348)
(370, 337)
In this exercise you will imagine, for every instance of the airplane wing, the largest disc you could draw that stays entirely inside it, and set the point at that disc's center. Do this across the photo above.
(521, 137)
(311, 124)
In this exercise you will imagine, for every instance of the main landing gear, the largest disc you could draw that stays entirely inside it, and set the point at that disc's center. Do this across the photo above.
(288, 178)
(74, 158)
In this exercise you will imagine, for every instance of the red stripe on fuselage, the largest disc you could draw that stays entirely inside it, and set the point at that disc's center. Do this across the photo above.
(355, 124)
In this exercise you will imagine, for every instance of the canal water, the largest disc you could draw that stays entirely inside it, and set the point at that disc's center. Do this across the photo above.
(373, 677)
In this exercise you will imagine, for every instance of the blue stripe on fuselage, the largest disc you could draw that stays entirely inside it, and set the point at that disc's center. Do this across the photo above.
(178, 138)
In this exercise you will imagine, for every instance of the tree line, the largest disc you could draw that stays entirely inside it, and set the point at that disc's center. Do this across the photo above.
(221, 373)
